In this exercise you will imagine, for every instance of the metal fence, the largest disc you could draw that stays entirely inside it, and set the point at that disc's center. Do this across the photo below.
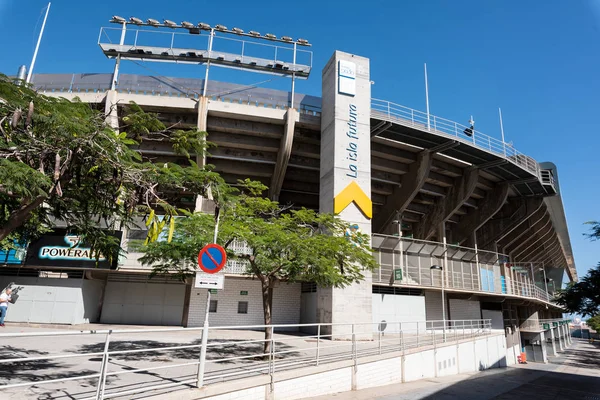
(177, 87)
(402, 115)
(225, 358)
(409, 262)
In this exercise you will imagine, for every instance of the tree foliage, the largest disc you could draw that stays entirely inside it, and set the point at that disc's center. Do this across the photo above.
(287, 245)
(60, 162)
(594, 323)
(583, 297)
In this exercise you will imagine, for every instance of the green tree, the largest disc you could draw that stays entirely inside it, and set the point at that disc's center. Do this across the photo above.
(61, 162)
(594, 323)
(583, 297)
(285, 244)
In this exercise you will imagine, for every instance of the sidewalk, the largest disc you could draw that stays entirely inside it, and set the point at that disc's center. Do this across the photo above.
(575, 374)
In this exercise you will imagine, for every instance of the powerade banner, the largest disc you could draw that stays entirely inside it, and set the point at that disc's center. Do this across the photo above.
(63, 250)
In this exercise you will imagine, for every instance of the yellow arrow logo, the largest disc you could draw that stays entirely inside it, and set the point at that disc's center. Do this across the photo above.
(353, 193)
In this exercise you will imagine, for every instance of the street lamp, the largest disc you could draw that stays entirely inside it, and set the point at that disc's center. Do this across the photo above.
(439, 268)
(399, 222)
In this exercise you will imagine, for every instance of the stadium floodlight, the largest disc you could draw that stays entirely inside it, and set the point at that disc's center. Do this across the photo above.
(286, 38)
(170, 24)
(237, 30)
(270, 36)
(136, 21)
(187, 25)
(220, 27)
(303, 42)
(204, 26)
(254, 33)
(118, 20)
(152, 22)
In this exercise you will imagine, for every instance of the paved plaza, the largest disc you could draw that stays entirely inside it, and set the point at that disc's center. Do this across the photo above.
(168, 366)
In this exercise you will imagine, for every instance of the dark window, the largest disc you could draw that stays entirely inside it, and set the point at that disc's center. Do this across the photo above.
(213, 306)
(242, 307)
(308, 287)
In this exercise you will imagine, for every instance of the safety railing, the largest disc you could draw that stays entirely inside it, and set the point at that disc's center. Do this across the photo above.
(543, 324)
(408, 262)
(231, 352)
(396, 113)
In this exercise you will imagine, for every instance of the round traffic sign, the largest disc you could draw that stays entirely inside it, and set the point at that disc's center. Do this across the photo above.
(212, 258)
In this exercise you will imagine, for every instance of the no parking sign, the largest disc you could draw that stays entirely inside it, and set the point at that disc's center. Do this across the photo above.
(212, 258)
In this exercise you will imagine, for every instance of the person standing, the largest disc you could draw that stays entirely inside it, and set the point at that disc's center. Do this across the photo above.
(4, 299)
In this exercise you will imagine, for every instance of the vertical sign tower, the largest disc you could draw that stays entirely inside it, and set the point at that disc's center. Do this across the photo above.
(345, 178)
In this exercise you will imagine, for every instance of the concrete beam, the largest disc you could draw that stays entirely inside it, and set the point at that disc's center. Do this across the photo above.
(402, 195)
(444, 207)
(540, 227)
(488, 207)
(512, 236)
(241, 127)
(516, 211)
(283, 156)
(543, 244)
(222, 139)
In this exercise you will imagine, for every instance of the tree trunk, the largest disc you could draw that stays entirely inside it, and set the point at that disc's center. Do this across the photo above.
(267, 296)
(20, 216)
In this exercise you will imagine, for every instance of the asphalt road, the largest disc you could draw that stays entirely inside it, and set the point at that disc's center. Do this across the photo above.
(575, 374)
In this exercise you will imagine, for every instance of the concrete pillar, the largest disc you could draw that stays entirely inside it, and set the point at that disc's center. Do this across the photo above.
(345, 182)
(566, 333)
(446, 206)
(283, 156)
(544, 352)
(553, 341)
(201, 158)
(560, 339)
(403, 194)
(487, 208)
(110, 109)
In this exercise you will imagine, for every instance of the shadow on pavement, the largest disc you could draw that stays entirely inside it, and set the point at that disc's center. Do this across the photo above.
(217, 349)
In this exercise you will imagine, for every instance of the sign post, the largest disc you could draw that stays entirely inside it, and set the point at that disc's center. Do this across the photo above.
(211, 260)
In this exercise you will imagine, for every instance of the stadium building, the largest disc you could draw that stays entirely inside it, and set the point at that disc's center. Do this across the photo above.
(463, 225)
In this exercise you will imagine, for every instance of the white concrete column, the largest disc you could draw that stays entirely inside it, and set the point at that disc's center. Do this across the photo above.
(345, 180)
(544, 352)
(566, 333)
(560, 339)
(110, 109)
(201, 158)
(553, 341)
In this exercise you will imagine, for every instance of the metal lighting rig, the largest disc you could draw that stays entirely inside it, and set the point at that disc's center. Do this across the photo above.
(230, 48)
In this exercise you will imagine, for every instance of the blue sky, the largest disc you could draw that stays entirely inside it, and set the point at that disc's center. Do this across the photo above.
(539, 61)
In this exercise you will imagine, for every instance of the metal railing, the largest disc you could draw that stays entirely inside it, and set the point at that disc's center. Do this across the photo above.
(227, 358)
(543, 324)
(402, 115)
(464, 268)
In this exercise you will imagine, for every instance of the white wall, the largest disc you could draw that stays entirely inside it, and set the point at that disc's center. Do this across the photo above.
(54, 300)
(397, 308)
(286, 304)
(468, 356)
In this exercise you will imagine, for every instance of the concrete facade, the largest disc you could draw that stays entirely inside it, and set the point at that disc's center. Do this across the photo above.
(286, 304)
(346, 161)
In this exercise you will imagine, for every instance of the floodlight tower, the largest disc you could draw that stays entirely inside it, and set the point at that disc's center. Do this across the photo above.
(242, 60)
